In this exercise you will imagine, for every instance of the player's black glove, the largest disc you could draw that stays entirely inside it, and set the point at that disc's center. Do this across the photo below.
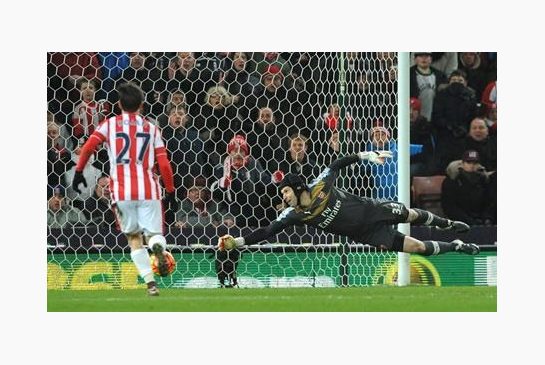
(170, 201)
(78, 179)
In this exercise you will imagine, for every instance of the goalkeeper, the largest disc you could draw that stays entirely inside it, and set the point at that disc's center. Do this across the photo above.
(364, 220)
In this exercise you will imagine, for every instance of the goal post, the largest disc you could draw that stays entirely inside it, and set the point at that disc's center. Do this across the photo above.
(404, 181)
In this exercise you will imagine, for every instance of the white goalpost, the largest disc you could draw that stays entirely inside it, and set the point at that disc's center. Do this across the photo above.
(404, 158)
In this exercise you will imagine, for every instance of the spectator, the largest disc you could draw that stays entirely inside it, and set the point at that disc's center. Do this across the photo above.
(217, 122)
(491, 118)
(175, 99)
(90, 172)
(63, 71)
(198, 209)
(304, 66)
(465, 192)
(297, 161)
(325, 137)
(424, 81)
(383, 177)
(58, 157)
(490, 94)
(479, 139)
(446, 62)
(454, 108)
(195, 74)
(239, 82)
(185, 150)
(421, 135)
(477, 73)
(269, 136)
(181, 74)
(59, 213)
(88, 113)
(361, 97)
(273, 93)
(241, 186)
(97, 207)
(332, 118)
(142, 71)
(273, 58)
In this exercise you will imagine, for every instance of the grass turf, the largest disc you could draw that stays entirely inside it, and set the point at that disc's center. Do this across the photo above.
(362, 299)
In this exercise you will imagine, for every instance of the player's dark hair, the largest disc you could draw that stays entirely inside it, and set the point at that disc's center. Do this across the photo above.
(130, 96)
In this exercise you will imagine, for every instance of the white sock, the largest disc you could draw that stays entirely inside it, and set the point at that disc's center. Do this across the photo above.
(142, 262)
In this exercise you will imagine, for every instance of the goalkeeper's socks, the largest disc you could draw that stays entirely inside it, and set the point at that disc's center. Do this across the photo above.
(437, 247)
(429, 219)
(142, 262)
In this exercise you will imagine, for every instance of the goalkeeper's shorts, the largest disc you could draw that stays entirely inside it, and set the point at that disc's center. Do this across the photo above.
(383, 236)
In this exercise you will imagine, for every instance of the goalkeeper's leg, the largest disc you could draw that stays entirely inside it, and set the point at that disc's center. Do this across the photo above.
(419, 216)
(432, 248)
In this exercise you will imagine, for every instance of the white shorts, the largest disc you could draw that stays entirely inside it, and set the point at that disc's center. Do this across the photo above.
(140, 216)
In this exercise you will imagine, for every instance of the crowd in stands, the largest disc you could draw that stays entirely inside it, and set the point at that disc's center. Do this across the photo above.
(235, 122)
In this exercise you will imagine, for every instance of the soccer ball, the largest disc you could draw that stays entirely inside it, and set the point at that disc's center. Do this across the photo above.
(171, 263)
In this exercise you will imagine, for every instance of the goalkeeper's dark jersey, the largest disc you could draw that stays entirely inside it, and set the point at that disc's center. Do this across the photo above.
(335, 211)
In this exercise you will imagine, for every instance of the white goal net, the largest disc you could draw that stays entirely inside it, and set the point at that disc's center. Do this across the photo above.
(268, 111)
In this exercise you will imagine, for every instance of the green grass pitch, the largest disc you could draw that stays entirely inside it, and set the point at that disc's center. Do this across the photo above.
(361, 299)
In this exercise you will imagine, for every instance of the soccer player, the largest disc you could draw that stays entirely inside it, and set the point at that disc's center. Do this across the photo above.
(364, 220)
(134, 145)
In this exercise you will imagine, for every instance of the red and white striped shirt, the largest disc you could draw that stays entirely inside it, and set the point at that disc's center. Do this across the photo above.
(87, 116)
(133, 145)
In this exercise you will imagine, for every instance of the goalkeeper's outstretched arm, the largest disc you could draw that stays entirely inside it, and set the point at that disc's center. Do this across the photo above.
(378, 157)
(228, 242)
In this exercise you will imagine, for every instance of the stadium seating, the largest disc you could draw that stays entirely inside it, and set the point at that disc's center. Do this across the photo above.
(426, 192)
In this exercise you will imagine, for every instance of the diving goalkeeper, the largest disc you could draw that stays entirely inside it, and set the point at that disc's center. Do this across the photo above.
(369, 221)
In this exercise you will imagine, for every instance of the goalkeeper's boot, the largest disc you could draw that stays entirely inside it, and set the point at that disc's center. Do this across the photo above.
(467, 248)
(153, 291)
(456, 226)
(161, 259)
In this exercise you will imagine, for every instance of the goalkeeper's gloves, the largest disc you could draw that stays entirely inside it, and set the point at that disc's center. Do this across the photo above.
(170, 201)
(228, 242)
(78, 179)
(378, 157)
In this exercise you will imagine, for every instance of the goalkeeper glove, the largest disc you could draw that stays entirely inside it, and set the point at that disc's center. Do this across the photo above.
(170, 201)
(78, 179)
(226, 242)
(378, 157)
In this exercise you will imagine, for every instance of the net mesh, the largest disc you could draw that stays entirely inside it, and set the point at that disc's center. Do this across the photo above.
(268, 112)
